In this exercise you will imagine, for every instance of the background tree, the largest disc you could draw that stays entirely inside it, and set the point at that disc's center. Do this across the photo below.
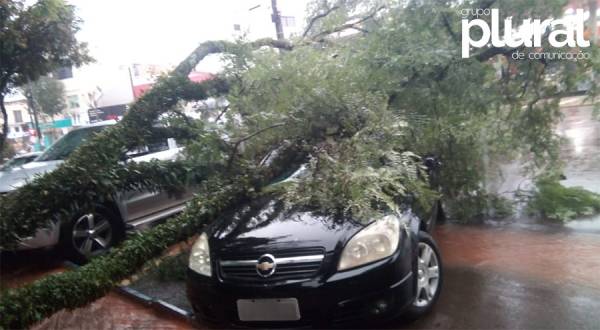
(45, 95)
(35, 40)
(48, 95)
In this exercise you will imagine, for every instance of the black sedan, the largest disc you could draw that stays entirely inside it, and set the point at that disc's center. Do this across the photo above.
(267, 265)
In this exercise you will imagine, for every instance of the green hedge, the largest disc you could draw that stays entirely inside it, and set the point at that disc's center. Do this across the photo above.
(22, 307)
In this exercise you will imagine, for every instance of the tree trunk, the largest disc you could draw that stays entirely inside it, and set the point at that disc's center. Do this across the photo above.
(4, 124)
(33, 110)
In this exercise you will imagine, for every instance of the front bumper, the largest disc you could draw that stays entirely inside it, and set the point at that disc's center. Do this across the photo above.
(378, 291)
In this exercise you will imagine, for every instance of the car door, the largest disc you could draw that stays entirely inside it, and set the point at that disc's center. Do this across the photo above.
(140, 207)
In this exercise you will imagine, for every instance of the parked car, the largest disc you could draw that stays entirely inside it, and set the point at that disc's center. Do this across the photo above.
(265, 265)
(19, 160)
(90, 234)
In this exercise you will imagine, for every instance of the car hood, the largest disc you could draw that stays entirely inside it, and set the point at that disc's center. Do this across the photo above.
(18, 176)
(265, 224)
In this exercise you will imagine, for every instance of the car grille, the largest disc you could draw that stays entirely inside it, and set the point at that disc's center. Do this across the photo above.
(290, 265)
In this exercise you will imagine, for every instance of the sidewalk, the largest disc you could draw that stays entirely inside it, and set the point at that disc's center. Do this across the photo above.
(113, 311)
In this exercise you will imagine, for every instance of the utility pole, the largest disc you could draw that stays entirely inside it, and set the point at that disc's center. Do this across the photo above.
(276, 18)
(131, 83)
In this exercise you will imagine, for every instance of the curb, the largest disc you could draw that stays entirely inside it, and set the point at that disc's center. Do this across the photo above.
(157, 304)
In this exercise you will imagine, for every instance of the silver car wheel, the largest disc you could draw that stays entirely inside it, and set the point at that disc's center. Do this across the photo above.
(428, 275)
(92, 234)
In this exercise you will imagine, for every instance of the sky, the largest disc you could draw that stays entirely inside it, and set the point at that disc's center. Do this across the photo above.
(121, 32)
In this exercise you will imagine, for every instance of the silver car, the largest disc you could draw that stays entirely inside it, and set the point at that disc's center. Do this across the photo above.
(90, 234)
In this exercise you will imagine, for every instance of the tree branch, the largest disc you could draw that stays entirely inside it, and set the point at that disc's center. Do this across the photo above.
(493, 51)
(248, 137)
(213, 47)
(182, 116)
(448, 27)
(236, 145)
(221, 113)
(316, 18)
(353, 25)
(487, 4)
(280, 44)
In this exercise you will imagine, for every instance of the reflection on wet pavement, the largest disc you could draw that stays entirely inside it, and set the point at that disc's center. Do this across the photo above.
(516, 279)
(559, 257)
(485, 299)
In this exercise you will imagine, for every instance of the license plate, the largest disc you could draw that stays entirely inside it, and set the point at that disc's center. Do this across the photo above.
(279, 309)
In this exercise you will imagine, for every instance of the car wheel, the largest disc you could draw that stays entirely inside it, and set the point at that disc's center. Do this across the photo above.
(429, 277)
(91, 233)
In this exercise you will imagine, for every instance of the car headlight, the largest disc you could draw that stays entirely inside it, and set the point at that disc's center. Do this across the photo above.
(200, 256)
(376, 241)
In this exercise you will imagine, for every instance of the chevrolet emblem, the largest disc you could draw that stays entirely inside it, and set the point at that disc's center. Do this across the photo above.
(265, 265)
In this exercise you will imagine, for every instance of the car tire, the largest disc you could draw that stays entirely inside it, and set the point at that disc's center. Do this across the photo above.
(90, 234)
(429, 277)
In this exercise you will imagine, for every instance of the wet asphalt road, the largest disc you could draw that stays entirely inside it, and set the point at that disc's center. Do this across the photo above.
(475, 299)
(514, 278)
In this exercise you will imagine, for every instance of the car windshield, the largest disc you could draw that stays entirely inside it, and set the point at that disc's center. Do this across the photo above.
(68, 143)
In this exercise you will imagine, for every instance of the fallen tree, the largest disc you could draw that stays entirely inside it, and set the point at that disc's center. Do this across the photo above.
(352, 108)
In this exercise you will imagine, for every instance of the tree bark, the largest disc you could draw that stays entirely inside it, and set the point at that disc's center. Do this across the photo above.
(33, 110)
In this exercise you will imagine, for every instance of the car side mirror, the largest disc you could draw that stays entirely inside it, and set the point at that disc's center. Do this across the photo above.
(432, 162)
